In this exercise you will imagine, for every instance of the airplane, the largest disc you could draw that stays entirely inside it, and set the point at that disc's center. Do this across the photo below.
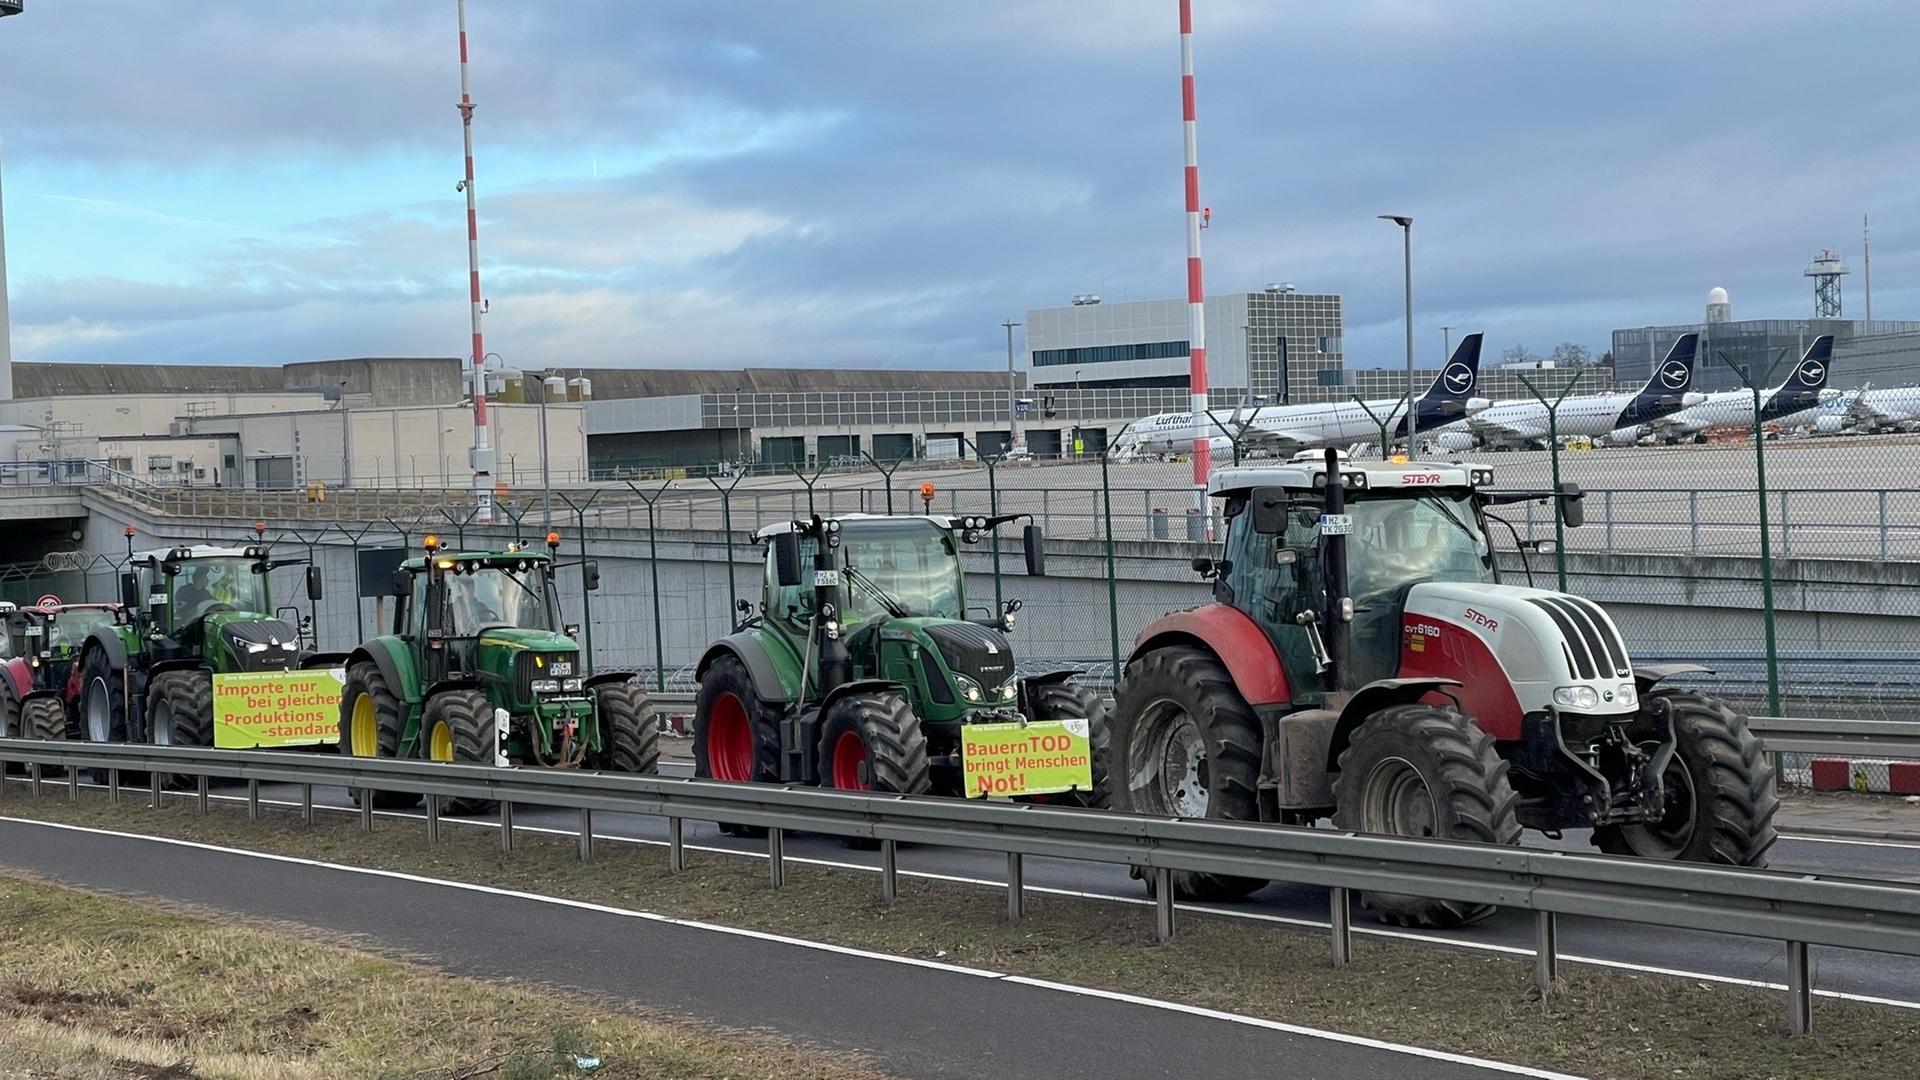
(1522, 424)
(1804, 392)
(1282, 429)
(1870, 412)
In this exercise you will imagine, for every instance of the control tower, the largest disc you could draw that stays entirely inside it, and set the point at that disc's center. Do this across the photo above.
(1826, 270)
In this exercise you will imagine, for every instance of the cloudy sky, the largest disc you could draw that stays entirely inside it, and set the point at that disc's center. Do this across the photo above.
(714, 183)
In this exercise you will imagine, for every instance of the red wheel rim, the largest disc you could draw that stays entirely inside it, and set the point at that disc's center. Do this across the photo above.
(849, 754)
(729, 740)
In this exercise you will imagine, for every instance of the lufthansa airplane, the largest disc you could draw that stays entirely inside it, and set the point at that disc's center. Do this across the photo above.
(1283, 429)
(1523, 424)
(1796, 400)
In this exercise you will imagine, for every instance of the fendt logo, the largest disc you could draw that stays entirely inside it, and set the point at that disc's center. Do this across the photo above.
(1674, 375)
(1458, 378)
(1812, 371)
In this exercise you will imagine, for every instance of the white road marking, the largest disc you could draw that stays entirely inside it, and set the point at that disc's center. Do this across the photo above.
(819, 946)
(1078, 894)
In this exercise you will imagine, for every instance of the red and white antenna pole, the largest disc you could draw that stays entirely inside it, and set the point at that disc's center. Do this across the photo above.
(482, 455)
(1196, 290)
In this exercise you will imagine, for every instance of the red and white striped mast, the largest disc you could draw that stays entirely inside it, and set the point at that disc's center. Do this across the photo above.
(1196, 290)
(482, 455)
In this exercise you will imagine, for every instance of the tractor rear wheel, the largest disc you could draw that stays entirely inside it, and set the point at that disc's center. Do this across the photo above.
(629, 733)
(1424, 771)
(102, 705)
(458, 726)
(1061, 701)
(180, 713)
(371, 719)
(1184, 743)
(1720, 792)
(10, 725)
(736, 736)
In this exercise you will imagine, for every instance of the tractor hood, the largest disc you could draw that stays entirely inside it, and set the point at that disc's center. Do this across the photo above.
(256, 642)
(520, 639)
(980, 654)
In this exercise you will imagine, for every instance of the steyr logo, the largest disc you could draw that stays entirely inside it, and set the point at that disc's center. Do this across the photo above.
(1458, 378)
(1812, 371)
(1674, 375)
(1478, 619)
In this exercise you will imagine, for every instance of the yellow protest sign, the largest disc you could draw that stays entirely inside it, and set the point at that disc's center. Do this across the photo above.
(277, 708)
(1039, 758)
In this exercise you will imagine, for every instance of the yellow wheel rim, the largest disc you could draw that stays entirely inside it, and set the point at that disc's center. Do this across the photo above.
(440, 742)
(365, 730)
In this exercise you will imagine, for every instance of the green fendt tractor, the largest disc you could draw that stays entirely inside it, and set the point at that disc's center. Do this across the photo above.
(190, 613)
(865, 673)
(479, 669)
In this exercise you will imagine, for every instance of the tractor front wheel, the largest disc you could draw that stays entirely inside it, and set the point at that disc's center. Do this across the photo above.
(873, 742)
(1184, 743)
(102, 705)
(45, 719)
(735, 736)
(1419, 770)
(180, 713)
(1719, 795)
(459, 727)
(630, 736)
(1060, 701)
(371, 720)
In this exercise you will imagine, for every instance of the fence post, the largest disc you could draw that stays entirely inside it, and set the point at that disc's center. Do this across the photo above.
(1553, 452)
(653, 566)
(1786, 526)
(1340, 910)
(1607, 508)
(1883, 525)
(1162, 904)
(1766, 537)
(726, 529)
(1546, 951)
(1113, 592)
(1693, 520)
(1799, 990)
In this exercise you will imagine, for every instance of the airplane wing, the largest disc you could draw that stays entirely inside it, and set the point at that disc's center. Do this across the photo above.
(1273, 441)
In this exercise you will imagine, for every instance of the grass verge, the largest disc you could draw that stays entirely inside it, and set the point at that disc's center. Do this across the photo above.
(92, 986)
(1596, 1022)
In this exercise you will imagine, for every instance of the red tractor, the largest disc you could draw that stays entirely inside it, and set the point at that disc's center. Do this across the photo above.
(39, 647)
(1362, 660)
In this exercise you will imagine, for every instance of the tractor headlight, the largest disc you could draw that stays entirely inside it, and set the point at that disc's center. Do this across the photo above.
(1576, 697)
(546, 686)
(968, 688)
(1627, 695)
(571, 686)
(1007, 692)
(832, 629)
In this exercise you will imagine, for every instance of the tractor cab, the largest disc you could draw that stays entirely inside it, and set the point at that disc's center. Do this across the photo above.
(212, 603)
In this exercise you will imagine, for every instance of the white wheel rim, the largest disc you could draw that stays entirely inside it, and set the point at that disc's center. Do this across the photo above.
(1183, 759)
(99, 724)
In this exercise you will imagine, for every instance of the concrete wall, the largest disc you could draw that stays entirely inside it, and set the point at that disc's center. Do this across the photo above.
(145, 414)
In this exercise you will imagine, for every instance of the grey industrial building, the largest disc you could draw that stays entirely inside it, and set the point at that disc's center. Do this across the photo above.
(1883, 351)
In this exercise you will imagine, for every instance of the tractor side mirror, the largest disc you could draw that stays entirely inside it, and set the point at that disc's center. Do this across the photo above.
(590, 570)
(129, 592)
(1573, 510)
(1270, 511)
(314, 587)
(786, 559)
(572, 630)
(1036, 544)
(402, 583)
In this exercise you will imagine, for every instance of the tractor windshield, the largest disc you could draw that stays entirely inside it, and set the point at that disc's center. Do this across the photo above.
(913, 561)
(1398, 541)
(220, 583)
(68, 630)
(496, 596)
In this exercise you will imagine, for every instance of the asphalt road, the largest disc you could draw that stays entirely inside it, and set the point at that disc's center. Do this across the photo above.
(1721, 956)
(914, 1019)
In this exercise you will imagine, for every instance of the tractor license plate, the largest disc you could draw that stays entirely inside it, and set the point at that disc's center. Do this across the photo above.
(826, 577)
(277, 708)
(1044, 757)
(1336, 524)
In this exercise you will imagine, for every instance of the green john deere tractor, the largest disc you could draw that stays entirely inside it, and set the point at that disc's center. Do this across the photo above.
(190, 612)
(866, 673)
(479, 669)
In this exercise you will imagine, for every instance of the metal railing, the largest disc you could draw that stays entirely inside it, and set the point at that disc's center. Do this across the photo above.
(1840, 738)
(1800, 910)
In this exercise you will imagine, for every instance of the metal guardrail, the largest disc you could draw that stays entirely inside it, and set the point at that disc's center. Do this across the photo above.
(1798, 909)
(1851, 738)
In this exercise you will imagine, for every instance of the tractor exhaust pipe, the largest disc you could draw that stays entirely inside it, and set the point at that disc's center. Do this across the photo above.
(1333, 561)
(836, 663)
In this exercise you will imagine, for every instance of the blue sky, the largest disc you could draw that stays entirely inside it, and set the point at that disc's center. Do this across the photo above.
(881, 183)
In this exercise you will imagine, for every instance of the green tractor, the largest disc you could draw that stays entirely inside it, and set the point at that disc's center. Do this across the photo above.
(190, 613)
(479, 669)
(867, 674)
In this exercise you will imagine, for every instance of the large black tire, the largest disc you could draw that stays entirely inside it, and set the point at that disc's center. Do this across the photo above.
(1422, 770)
(102, 707)
(388, 720)
(874, 742)
(1180, 702)
(468, 718)
(629, 732)
(1716, 755)
(736, 736)
(180, 713)
(45, 719)
(10, 726)
(1062, 701)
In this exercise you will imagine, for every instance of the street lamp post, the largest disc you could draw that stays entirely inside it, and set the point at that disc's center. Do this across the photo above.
(1446, 345)
(1406, 234)
(1013, 402)
(7, 7)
